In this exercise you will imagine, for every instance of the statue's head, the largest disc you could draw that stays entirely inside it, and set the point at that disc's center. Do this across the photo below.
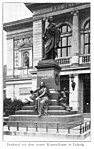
(50, 19)
(42, 84)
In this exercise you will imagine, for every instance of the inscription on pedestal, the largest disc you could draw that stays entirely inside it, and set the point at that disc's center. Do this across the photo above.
(48, 72)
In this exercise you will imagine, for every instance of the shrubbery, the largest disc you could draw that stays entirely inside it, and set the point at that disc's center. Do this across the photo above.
(11, 106)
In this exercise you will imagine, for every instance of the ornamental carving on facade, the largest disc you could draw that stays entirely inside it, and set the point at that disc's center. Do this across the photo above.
(19, 42)
(65, 6)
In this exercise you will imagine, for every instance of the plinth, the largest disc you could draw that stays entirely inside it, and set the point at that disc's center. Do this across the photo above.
(48, 72)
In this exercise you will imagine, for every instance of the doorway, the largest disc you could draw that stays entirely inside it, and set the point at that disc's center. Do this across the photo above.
(86, 94)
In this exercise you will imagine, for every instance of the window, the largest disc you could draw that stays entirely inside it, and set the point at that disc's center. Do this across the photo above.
(87, 38)
(65, 41)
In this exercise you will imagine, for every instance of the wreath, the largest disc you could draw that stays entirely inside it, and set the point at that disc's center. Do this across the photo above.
(56, 79)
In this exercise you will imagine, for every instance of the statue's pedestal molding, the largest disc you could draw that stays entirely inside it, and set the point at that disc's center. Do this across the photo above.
(48, 72)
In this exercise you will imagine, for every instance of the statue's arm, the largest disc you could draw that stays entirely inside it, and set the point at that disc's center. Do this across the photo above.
(59, 25)
(36, 90)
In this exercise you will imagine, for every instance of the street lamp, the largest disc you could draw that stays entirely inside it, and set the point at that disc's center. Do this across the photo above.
(72, 82)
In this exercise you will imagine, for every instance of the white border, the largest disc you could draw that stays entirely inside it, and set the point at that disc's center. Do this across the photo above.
(87, 145)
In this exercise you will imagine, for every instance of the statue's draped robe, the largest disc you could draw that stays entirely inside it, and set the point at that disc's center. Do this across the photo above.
(52, 35)
(43, 100)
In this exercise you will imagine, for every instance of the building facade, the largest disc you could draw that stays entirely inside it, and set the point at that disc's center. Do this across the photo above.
(25, 49)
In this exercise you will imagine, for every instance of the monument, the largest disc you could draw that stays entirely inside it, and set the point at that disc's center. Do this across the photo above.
(48, 72)
(48, 69)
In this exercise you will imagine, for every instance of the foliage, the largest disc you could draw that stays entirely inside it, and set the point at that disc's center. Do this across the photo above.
(11, 106)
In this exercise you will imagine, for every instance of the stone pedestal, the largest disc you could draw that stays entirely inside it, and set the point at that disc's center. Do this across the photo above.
(48, 72)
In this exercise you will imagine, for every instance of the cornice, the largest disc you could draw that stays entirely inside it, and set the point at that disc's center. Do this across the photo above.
(36, 8)
(19, 24)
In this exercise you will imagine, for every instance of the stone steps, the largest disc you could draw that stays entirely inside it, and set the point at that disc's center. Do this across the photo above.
(27, 117)
(29, 120)
(43, 125)
(50, 112)
(49, 118)
(52, 102)
(26, 112)
(50, 107)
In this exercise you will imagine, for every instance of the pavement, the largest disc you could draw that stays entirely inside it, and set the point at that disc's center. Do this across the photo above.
(42, 135)
(7, 138)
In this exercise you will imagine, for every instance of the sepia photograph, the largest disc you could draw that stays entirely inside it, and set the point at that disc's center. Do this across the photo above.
(46, 72)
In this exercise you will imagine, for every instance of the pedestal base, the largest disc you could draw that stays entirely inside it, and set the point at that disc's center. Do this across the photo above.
(48, 72)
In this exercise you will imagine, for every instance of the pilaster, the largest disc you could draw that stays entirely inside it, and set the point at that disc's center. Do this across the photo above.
(75, 38)
(10, 91)
(82, 44)
(10, 57)
(37, 41)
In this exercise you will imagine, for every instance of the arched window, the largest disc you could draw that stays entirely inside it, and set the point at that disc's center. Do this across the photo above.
(65, 41)
(25, 59)
(87, 38)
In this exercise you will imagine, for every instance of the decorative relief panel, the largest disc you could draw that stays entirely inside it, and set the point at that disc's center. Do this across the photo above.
(65, 6)
(24, 90)
(19, 42)
(16, 59)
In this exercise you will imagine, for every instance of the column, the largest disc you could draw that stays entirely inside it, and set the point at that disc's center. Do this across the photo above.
(75, 38)
(74, 94)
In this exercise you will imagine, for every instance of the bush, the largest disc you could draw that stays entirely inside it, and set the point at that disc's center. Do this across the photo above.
(11, 106)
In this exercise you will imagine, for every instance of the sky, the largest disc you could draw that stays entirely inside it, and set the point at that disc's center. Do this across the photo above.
(15, 11)
(12, 12)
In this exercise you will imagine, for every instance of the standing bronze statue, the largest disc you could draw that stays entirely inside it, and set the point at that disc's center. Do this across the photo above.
(51, 39)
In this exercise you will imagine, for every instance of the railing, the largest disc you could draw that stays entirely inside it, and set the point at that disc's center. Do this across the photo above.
(63, 60)
(77, 128)
(83, 59)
